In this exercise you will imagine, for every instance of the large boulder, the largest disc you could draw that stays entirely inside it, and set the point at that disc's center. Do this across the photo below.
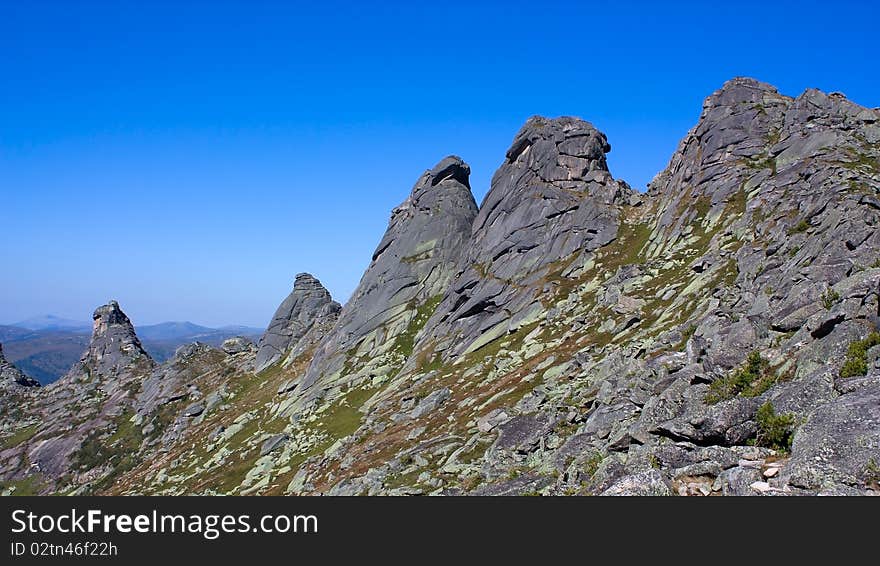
(839, 443)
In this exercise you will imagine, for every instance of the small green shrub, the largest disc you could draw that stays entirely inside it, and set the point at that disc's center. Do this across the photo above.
(591, 464)
(856, 362)
(750, 380)
(774, 431)
(800, 227)
(830, 298)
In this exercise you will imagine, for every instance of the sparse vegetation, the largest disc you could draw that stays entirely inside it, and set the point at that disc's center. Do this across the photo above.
(627, 248)
(19, 436)
(405, 342)
(91, 453)
(591, 464)
(750, 380)
(856, 362)
(799, 228)
(872, 473)
(830, 298)
(30, 485)
(774, 431)
(118, 451)
(344, 417)
(686, 335)
(762, 162)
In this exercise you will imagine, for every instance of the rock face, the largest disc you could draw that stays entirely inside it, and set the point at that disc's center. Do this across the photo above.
(113, 349)
(839, 443)
(411, 268)
(11, 376)
(715, 335)
(300, 322)
(551, 204)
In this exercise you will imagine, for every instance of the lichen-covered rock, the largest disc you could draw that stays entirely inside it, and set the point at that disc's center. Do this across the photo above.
(237, 345)
(570, 336)
(551, 199)
(68, 416)
(839, 443)
(650, 482)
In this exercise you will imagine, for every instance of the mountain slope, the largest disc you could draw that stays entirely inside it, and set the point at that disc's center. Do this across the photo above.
(716, 335)
(411, 267)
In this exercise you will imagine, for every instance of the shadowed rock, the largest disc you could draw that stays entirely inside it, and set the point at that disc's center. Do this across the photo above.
(11, 376)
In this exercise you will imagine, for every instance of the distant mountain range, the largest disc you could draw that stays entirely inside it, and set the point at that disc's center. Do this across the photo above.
(52, 322)
(45, 347)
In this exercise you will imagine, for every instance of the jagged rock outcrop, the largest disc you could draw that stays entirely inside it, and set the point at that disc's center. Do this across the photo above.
(551, 204)
(12, 377)
(752, 259)
(67, 418)
(716, 335)
(411, 268)
(300, 322)
(113, 350)
(238, 345)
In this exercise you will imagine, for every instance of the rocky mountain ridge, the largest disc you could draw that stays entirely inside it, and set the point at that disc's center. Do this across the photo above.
(715, 335)
(47, 354)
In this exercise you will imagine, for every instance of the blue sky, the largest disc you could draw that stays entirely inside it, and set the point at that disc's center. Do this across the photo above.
(188, 159)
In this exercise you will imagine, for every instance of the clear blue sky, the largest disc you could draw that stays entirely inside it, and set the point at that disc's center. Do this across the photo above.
(189, 159)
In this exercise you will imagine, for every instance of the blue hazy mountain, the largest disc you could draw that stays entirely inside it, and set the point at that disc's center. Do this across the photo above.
(52, 322)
